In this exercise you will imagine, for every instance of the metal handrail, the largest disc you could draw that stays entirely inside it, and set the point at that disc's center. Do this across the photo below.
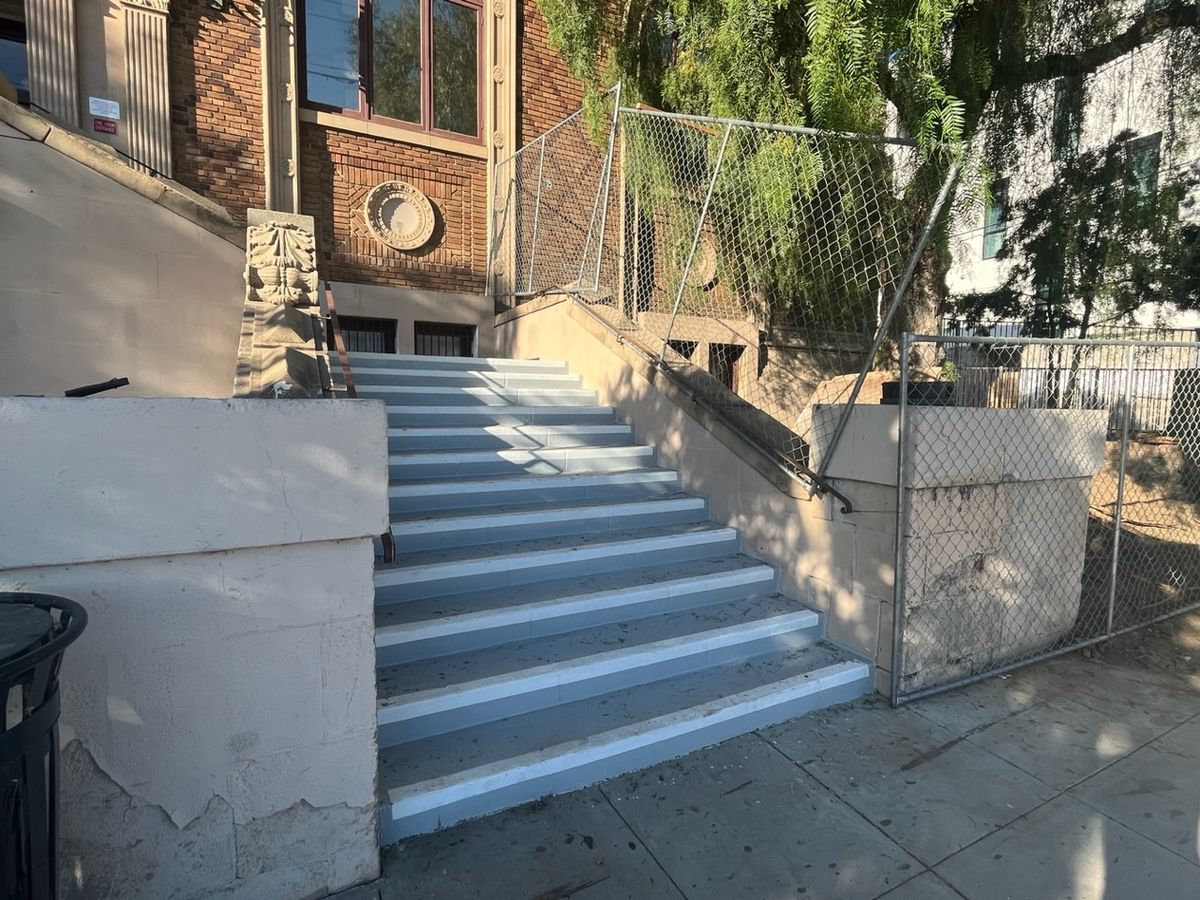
(329, 312)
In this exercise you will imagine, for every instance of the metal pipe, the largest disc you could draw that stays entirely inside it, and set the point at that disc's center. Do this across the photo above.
(881, 334)
(612, 137)
(1119, 510)
(770, 126)
(712, 183)
(537, 212)
(899, 567)
(1032, 341)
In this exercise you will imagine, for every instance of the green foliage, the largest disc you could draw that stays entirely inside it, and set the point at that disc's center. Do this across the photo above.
(949, 73)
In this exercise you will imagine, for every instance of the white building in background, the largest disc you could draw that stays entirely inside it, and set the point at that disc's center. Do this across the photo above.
(1124, 96)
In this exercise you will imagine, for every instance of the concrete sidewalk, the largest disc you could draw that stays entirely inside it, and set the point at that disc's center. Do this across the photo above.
(1070, 779)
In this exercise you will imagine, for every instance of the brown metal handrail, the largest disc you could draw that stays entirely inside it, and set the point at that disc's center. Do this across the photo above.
(329, 311)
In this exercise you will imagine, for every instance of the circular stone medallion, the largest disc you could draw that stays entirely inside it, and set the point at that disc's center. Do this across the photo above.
(399, 215)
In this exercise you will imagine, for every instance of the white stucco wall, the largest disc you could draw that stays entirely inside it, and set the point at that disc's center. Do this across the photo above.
(1125, 95)
(218, 723)
(98, 282)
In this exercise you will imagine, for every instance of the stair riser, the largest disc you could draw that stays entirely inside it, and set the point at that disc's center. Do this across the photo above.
(432, 417)
(566, 617)
(562, 565)
(457, 712)
(474, 397)
(501, 380)
(363, 362)
(469, 800)
(534, 527)
(529, 496)
(552, 462)
(528, 438)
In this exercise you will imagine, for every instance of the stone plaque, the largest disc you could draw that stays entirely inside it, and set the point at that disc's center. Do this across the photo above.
(399, 215)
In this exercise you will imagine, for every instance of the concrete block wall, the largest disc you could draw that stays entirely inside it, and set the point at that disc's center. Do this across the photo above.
(218, 723)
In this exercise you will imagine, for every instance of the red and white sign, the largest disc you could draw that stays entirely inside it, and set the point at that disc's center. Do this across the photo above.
(104, 126)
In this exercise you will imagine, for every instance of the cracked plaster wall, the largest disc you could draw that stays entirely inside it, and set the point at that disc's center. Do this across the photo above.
(218, 723)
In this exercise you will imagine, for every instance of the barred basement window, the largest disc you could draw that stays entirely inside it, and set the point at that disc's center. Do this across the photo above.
(413, 63)
(367, 335)
(443, 339)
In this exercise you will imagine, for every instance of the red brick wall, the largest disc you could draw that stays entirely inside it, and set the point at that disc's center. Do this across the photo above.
(337, 169)
(547, 94)
(216, 103)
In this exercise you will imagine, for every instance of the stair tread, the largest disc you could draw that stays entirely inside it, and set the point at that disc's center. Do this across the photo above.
(431, 763)
(469, 363)
(480, 482)
(568, 542)
(453, 672)
(477, 516)
(585, 427)
(496, 598)
(517, 454)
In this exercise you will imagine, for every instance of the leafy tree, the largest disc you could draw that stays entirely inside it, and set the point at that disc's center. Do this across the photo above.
(956, 73)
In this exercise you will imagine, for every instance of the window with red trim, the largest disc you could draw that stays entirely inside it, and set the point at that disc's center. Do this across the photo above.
(415, 63)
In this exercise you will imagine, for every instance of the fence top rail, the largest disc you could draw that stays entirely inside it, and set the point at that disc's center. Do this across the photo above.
(767, 126)
(1034, 341)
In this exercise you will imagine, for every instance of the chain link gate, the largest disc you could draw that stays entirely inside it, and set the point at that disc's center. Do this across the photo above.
(760, 264)
(1048, 498)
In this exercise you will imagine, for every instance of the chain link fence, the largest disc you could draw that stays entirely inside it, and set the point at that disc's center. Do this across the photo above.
(1049, 497)
(758, 263)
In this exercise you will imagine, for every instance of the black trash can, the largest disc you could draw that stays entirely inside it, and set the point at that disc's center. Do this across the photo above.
(35, 629)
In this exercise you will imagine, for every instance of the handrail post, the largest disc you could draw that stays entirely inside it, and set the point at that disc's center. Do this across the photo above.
(1119, 510)
(712, 183)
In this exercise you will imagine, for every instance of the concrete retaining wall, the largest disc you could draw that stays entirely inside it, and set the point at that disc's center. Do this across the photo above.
(218, 723)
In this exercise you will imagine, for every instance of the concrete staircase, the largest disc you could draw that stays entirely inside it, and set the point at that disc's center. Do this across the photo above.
(560, 611)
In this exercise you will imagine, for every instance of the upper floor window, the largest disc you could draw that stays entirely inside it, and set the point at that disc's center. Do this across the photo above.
(410, 62)
(995, 219)
(1068, 103)
(14, 62)
(1141, 164)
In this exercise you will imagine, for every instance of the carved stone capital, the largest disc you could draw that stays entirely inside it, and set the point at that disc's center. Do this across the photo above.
(281, 260)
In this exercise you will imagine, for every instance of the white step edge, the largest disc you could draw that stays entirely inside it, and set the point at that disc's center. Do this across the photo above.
(580, 755)
(458, 457)
(405, 528)
(504, 430)
(515, 562)
(530, 482)
(502, 617)
(508, 410)
(484, 376)
(476, 363)
(462, 390)
(557, 674)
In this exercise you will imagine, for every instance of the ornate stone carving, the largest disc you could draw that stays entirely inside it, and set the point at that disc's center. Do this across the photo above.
(498, 74)
(281, 265)
(497, 138)
(498, 9)
(399, 215)
(152, 5)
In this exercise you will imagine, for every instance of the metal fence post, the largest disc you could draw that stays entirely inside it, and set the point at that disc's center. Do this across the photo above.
(537, 211)
(898, 570)
(901, 290)
(602, 196)
(712, 183)
(1118, 512)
